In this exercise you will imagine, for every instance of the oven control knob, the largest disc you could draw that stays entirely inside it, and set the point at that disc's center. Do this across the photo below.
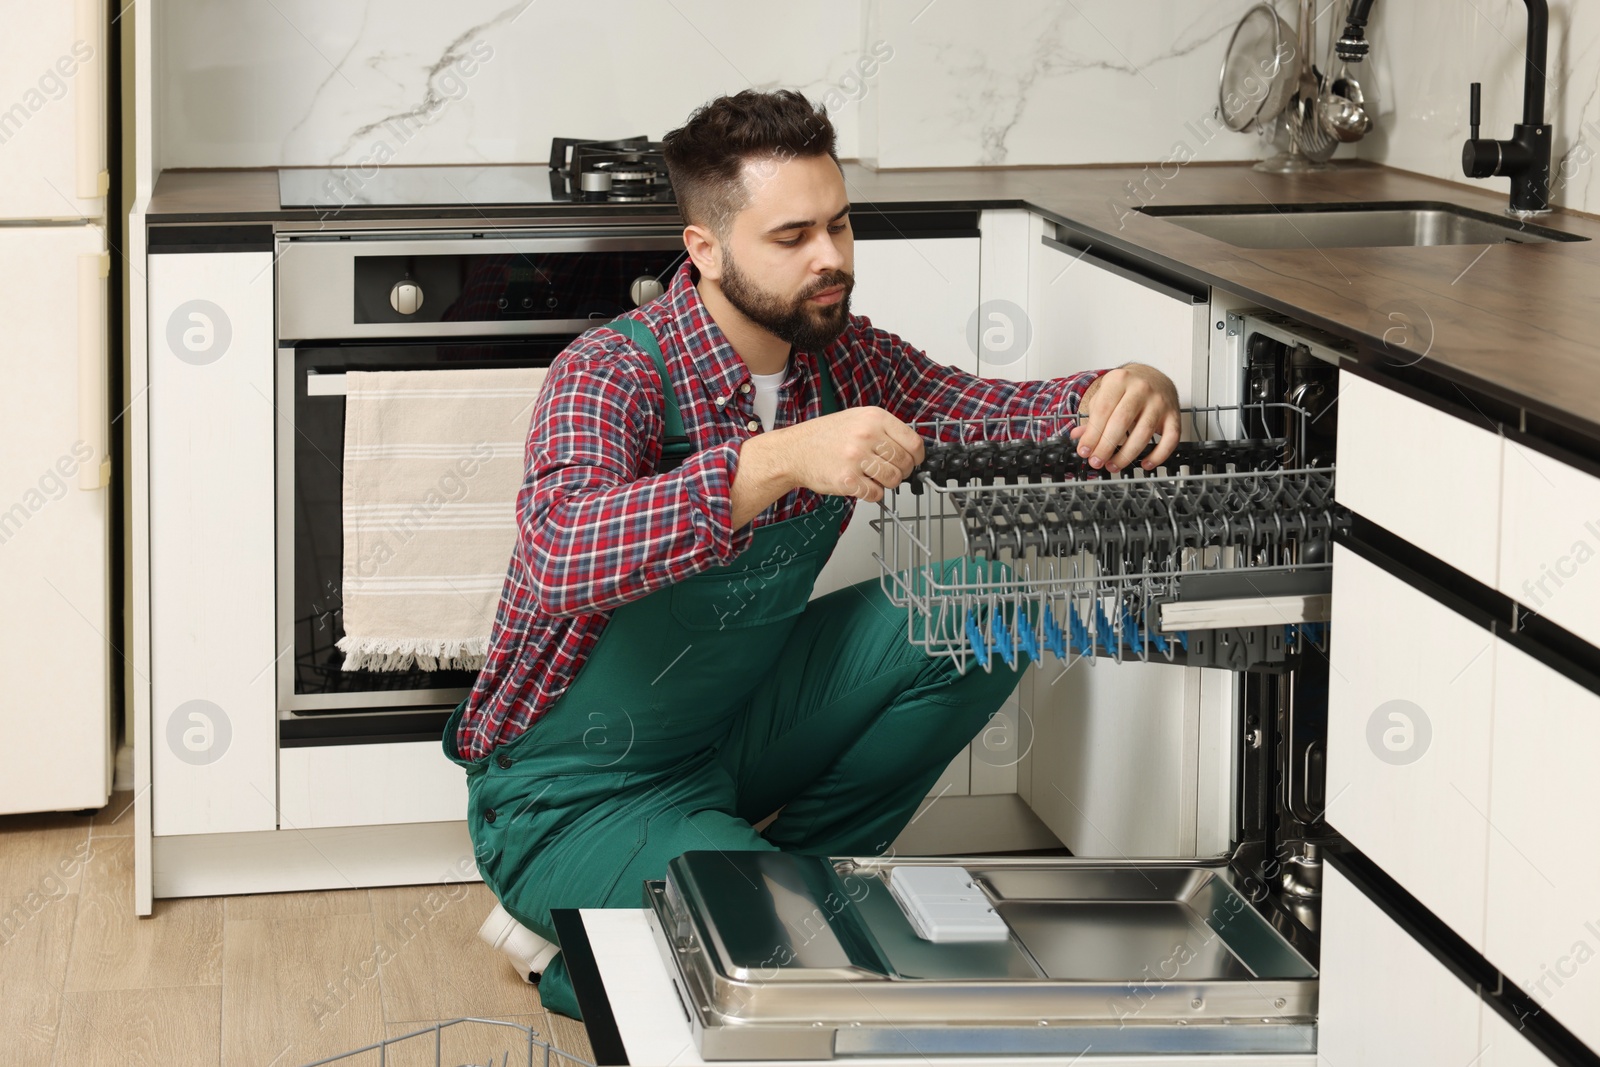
(645, 288)
(406, 297)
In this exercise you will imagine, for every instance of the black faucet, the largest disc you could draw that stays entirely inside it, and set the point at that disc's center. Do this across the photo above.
(1525, 159)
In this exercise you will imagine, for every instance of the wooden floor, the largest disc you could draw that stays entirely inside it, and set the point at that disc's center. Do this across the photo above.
(280, 980)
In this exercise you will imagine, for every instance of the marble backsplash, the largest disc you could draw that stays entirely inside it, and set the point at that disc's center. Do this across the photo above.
(910, 83)
(940, 83)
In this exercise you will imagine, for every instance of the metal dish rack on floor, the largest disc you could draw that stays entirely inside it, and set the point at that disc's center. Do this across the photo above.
(508, 1040)
(1220, 557)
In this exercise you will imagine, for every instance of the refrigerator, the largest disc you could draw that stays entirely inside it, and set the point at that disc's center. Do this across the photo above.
(57, 638)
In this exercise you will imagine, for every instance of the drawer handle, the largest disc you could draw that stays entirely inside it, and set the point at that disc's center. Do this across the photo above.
(92, 179)
(93, 269)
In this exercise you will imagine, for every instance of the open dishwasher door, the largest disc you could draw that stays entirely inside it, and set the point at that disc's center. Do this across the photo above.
(781, 957)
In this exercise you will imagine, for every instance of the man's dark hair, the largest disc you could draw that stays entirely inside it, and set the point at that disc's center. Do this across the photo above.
(706, 155)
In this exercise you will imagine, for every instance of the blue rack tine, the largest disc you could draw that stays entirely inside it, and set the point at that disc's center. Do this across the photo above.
(980, 647)
(1052, 633)
(1002, 638)
(1027, 640)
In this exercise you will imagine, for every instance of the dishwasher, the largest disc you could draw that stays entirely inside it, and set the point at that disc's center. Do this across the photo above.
(1222, 559)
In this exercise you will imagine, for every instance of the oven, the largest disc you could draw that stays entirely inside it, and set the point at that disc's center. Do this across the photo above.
(365, 301)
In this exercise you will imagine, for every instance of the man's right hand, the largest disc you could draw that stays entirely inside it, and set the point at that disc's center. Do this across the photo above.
(859, 452)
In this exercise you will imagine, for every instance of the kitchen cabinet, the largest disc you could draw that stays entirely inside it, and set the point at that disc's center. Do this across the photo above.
(1453, 513)
(1549, 538)
(1382, 997)
(52, 119)
(1504, 1046)
(55, 717)
(1409, 695)
(212, 593)
(1543, 917)
(922, 290)
(1114, 765)
(1087, 314)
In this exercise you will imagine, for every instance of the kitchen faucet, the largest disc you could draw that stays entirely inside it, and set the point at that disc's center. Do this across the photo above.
(1525, 158)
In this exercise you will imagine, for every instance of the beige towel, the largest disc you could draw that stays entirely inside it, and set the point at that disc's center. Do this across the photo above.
(433, 461)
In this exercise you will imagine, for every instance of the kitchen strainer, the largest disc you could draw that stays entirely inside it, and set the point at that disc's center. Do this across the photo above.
(1260, 71)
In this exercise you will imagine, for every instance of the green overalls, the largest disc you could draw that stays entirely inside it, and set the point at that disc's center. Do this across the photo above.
(707, 705)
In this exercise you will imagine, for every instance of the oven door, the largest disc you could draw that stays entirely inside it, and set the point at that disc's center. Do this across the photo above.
(370, 302)
(310, 477)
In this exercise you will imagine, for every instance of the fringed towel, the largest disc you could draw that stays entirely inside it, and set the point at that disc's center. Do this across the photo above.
(433, 461)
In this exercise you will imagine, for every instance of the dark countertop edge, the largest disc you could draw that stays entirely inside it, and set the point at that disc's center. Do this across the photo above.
(1367, 360)
(538, 212)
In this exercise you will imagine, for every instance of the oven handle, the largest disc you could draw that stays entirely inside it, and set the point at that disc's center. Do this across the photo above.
(319, 384)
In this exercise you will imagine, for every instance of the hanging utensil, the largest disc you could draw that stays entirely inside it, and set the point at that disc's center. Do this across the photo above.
(1342, 112)
(1311, 143)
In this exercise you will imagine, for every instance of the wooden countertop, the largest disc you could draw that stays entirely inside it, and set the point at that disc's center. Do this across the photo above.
(1509, 321)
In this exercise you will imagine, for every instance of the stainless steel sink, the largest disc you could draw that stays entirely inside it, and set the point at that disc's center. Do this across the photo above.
(1355, 225)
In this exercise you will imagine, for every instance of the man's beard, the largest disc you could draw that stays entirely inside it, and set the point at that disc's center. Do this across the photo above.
(806, 326)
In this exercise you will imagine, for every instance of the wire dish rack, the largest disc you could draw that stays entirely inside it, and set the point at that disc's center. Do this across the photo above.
(442, 1044)
(1004, 543)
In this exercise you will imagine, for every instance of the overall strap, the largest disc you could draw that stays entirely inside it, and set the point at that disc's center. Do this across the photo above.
(675, 444)
(830, 402)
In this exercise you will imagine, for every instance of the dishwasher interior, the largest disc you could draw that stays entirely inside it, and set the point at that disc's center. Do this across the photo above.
(1221, 560)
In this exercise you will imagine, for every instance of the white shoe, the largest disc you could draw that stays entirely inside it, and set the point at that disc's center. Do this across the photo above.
(529, 953)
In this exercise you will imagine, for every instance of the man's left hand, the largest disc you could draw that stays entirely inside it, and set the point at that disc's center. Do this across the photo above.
(1122, 409)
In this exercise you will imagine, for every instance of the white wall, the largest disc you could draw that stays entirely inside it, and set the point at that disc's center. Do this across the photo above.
(947, 83)
(1434, 48)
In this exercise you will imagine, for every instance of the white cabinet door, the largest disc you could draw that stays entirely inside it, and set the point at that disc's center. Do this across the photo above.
(1382, 998)
(213, 713)
(1452, 513)
(923, 291)
(52, 111)
(1543, 926)
(1503, 1046)
(1409, 694)
(1550, 538)
(55, 733)
(1084, 317)
(1114, 760)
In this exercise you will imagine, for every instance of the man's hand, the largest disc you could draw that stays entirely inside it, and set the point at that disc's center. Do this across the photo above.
(1123, 409)
(859, 452)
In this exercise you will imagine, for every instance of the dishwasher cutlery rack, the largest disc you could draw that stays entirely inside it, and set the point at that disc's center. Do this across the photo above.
(1220, 557)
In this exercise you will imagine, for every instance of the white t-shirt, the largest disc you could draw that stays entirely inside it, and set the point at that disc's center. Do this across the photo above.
(767, 395)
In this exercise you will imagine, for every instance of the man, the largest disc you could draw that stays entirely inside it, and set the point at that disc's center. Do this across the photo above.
(658, 679)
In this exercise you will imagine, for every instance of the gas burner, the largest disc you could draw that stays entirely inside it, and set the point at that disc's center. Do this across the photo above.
(630, 171)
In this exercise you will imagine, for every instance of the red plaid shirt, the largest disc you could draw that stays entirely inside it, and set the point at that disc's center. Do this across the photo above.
(598, 528)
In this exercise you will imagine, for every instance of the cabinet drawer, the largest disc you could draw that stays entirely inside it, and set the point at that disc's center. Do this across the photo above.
(1543, 921)
(1451, 511)
(368, 785)
(1549, 538)
(1383, 998)
(1408, 738)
